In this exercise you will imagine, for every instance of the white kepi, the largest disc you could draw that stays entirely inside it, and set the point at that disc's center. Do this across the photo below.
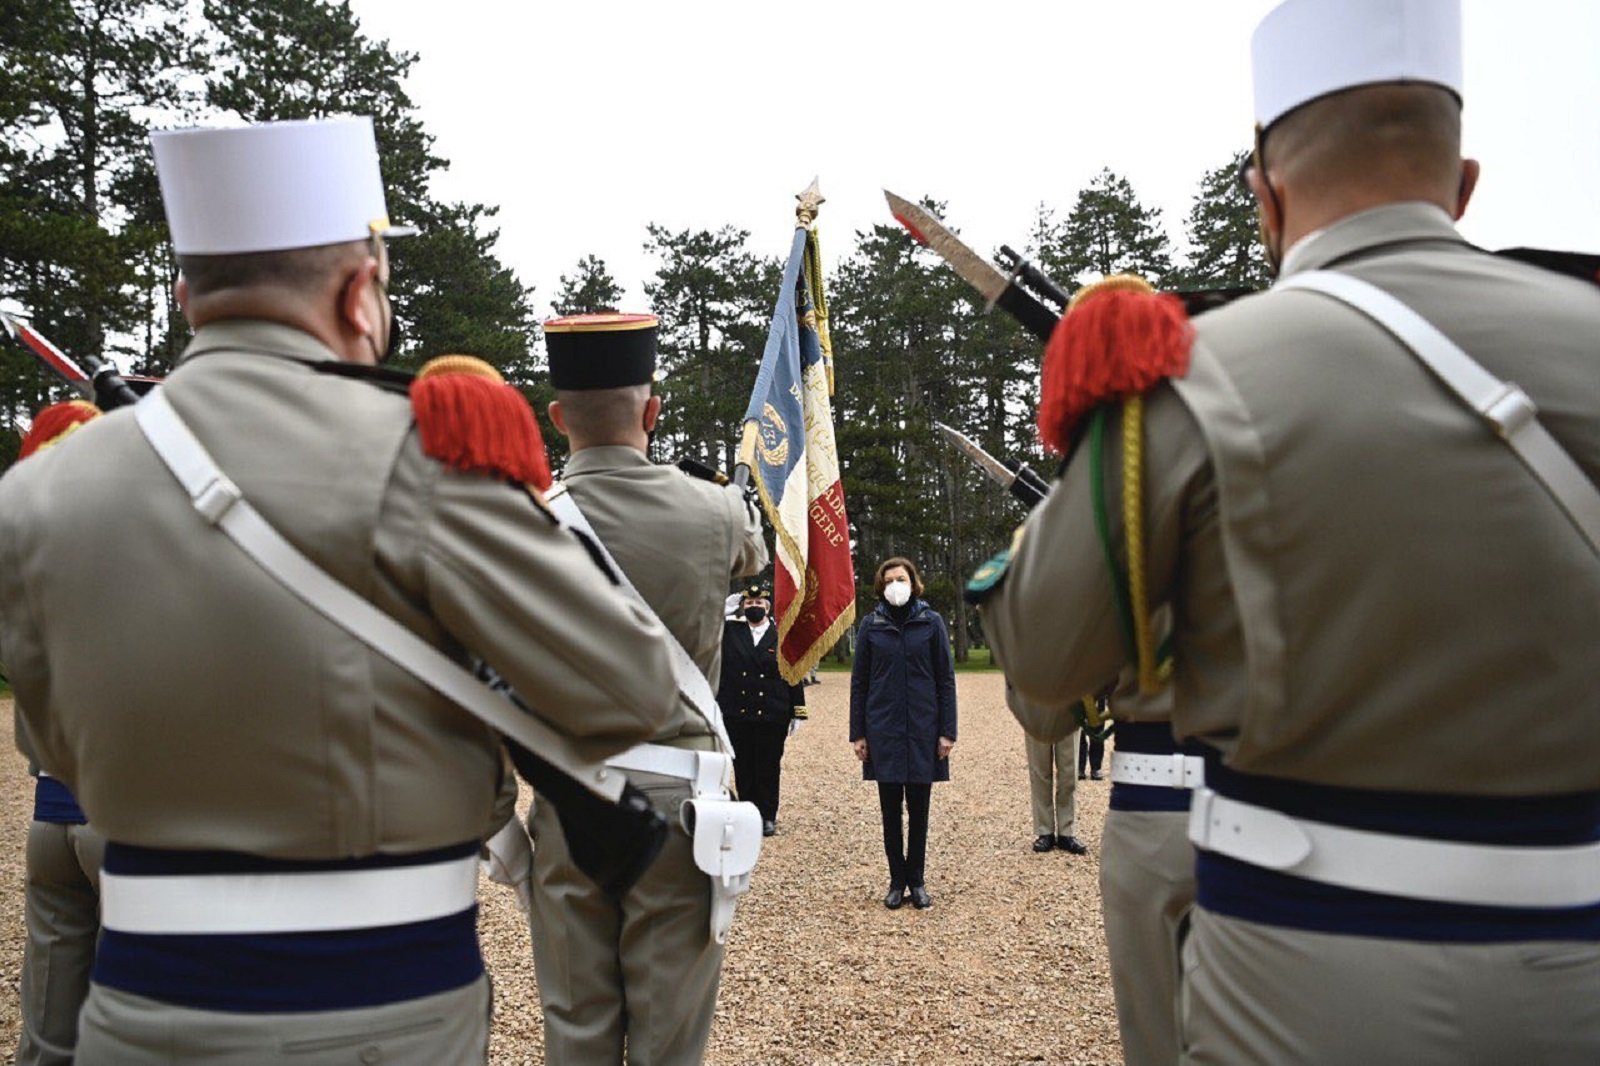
(272, 187)
(1304, 49)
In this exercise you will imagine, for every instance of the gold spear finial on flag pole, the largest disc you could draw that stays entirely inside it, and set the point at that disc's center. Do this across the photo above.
(811, 199)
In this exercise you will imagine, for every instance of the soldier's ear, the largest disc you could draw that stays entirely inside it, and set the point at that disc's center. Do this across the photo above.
(1470, 170)
(180, 292)
(652, 412)
(360, 314)
(558, 417)
(1268, 200)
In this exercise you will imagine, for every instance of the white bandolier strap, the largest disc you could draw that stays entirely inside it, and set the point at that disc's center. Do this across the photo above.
(707, 771)
(1487, 875)
(222, 504)
(1504, 406)
(308, 902)
(1164, 771)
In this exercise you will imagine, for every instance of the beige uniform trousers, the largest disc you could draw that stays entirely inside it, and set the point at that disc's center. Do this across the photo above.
(642, 973)
(447, 1029)
(1263, 994)
(62, 913)
(1146, 893)
(1055, 808)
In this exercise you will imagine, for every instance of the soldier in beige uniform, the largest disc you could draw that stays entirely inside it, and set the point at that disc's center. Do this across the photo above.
(61, 900)
(310, 810)
(637, 976)
(1379, 611)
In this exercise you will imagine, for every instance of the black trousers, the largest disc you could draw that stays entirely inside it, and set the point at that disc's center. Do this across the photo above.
(1090, 751)
(758, 762)
(907, 858)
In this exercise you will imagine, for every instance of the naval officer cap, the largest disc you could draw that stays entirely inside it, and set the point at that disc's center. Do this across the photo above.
(1306, 49)
(601, 351)
(272, 187)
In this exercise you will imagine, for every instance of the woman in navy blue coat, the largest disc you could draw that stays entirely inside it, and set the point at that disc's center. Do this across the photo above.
(903, 717)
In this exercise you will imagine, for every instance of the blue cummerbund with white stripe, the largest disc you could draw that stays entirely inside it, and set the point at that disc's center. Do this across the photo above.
(54, 802)
(1149, 738)
(1241, 890)
(344, 969)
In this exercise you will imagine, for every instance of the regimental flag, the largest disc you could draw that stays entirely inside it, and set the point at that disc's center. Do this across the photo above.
(788, 445)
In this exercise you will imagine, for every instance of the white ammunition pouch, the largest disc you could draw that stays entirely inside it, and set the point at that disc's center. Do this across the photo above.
(727, 843)
(726, 832)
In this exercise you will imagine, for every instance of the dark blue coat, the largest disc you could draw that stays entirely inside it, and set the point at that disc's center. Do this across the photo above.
(903, 695)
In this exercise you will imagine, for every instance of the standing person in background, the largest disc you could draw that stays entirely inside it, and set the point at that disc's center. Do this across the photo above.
(760, 709)
(903, 718)
(1091, 753)
(1054, 803)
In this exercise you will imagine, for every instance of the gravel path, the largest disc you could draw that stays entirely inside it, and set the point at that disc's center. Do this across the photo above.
(1009, 966)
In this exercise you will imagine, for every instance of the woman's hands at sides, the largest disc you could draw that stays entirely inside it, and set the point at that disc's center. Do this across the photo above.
(861, 749)
(945, 744)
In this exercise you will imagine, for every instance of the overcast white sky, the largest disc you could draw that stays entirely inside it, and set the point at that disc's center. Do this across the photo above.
(585, 120)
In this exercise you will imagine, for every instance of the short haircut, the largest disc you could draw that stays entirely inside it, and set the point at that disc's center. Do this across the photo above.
(884, 567)
(603, 414)
(1373, 136)
(300, 270)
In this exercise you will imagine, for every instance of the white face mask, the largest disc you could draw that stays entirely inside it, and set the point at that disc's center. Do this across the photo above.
(898, 592)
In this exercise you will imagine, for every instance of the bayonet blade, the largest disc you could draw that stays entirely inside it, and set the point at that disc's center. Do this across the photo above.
(973, 268)
(49, 354)
(990, 465)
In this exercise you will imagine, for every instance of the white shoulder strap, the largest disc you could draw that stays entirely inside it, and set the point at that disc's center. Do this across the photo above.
(1507, 409)
(692, 684)
(221, 503)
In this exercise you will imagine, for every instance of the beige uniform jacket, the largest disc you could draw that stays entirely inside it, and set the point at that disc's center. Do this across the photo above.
(190, 701)
(679, 539)
(1369, 589)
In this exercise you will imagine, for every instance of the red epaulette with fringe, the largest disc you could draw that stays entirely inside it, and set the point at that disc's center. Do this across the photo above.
(468, 418)
(55, 423)
(1118, 339)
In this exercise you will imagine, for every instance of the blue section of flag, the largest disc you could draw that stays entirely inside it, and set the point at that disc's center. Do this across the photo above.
(775, 404)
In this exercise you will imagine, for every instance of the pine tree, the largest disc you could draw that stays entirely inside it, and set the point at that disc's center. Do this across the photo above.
(1108, 231)
(80, 80)
(714, 298)
(1223, 234)
(590, 288)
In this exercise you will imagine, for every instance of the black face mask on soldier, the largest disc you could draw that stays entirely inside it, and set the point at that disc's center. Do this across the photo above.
(757, 615)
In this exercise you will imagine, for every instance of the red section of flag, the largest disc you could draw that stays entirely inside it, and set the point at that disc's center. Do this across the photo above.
(830, 579)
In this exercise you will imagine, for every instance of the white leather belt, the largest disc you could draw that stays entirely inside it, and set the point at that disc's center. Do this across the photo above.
(309, 902)
(1163, 771)
(1489, 875)
(707, 771)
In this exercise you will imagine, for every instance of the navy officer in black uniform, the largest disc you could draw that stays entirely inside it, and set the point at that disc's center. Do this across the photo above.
(759, 708)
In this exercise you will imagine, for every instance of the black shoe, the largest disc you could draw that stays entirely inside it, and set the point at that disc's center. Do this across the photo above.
(894, 897)
(1083, 777)
(1072, 844)
(1096, 775)
(769, 827)
(1044, 843)
(920, 898)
